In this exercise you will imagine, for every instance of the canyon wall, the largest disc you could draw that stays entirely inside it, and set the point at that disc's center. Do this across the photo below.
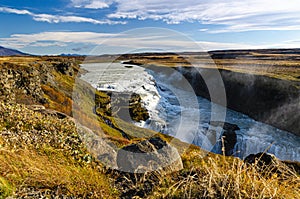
(269, 100)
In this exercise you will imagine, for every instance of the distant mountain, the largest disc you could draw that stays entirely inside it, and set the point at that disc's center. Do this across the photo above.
(71, 55)
(10, 52)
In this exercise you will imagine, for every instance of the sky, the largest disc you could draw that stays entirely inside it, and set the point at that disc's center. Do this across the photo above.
(48, 27)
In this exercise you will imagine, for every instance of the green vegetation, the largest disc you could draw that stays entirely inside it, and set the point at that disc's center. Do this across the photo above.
(5, 188)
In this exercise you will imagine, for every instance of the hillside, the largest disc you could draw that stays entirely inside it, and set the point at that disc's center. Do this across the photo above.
(10, 52)
(44, 152)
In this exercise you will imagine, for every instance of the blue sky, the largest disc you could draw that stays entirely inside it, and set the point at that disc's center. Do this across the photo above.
(117, 26)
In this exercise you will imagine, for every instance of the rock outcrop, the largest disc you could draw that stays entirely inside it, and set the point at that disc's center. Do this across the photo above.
(20, 84)
(66, 68)
(228, 138)
(149, 155)
(268, 163)
(44, 81)
(269, 100)
(128, 106)
(265, 163)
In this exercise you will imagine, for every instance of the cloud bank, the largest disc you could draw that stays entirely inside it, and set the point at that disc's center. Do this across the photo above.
(230, 15)
(129, 40)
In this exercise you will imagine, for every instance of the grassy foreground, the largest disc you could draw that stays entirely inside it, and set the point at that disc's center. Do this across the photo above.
(42, 155)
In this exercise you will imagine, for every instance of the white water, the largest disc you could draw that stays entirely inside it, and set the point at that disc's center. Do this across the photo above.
(174, 111)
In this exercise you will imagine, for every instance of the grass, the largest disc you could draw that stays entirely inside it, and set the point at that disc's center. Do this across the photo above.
(212, 176)
(216, 176)
(27, 168)
(228, 177)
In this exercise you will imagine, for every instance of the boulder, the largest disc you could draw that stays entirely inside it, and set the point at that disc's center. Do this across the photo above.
(265, 163)
(149, 155)
(21, 84)
(268, 162)
(295, 166)
(98, 147)
(261, 159)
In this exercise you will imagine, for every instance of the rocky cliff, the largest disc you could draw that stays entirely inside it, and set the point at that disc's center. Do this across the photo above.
(46, 81)
(20, 84)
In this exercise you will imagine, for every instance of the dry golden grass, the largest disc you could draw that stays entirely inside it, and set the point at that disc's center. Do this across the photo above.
(19, 59)
(26, 168)
(25, 60)
(44, 153)
(217, 176)
(211, 176)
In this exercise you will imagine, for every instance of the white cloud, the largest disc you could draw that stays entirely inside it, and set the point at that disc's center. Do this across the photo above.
(91, 4)
(132, 40)
(232, 15)
(207, 46)
(53, 39)
(57, 18)
(15, 11)
(97, 5)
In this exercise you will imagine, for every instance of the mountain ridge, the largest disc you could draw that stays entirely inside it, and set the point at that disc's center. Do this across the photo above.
(10, 52)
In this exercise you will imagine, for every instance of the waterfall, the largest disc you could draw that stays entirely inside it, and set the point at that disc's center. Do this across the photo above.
(183, 118)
